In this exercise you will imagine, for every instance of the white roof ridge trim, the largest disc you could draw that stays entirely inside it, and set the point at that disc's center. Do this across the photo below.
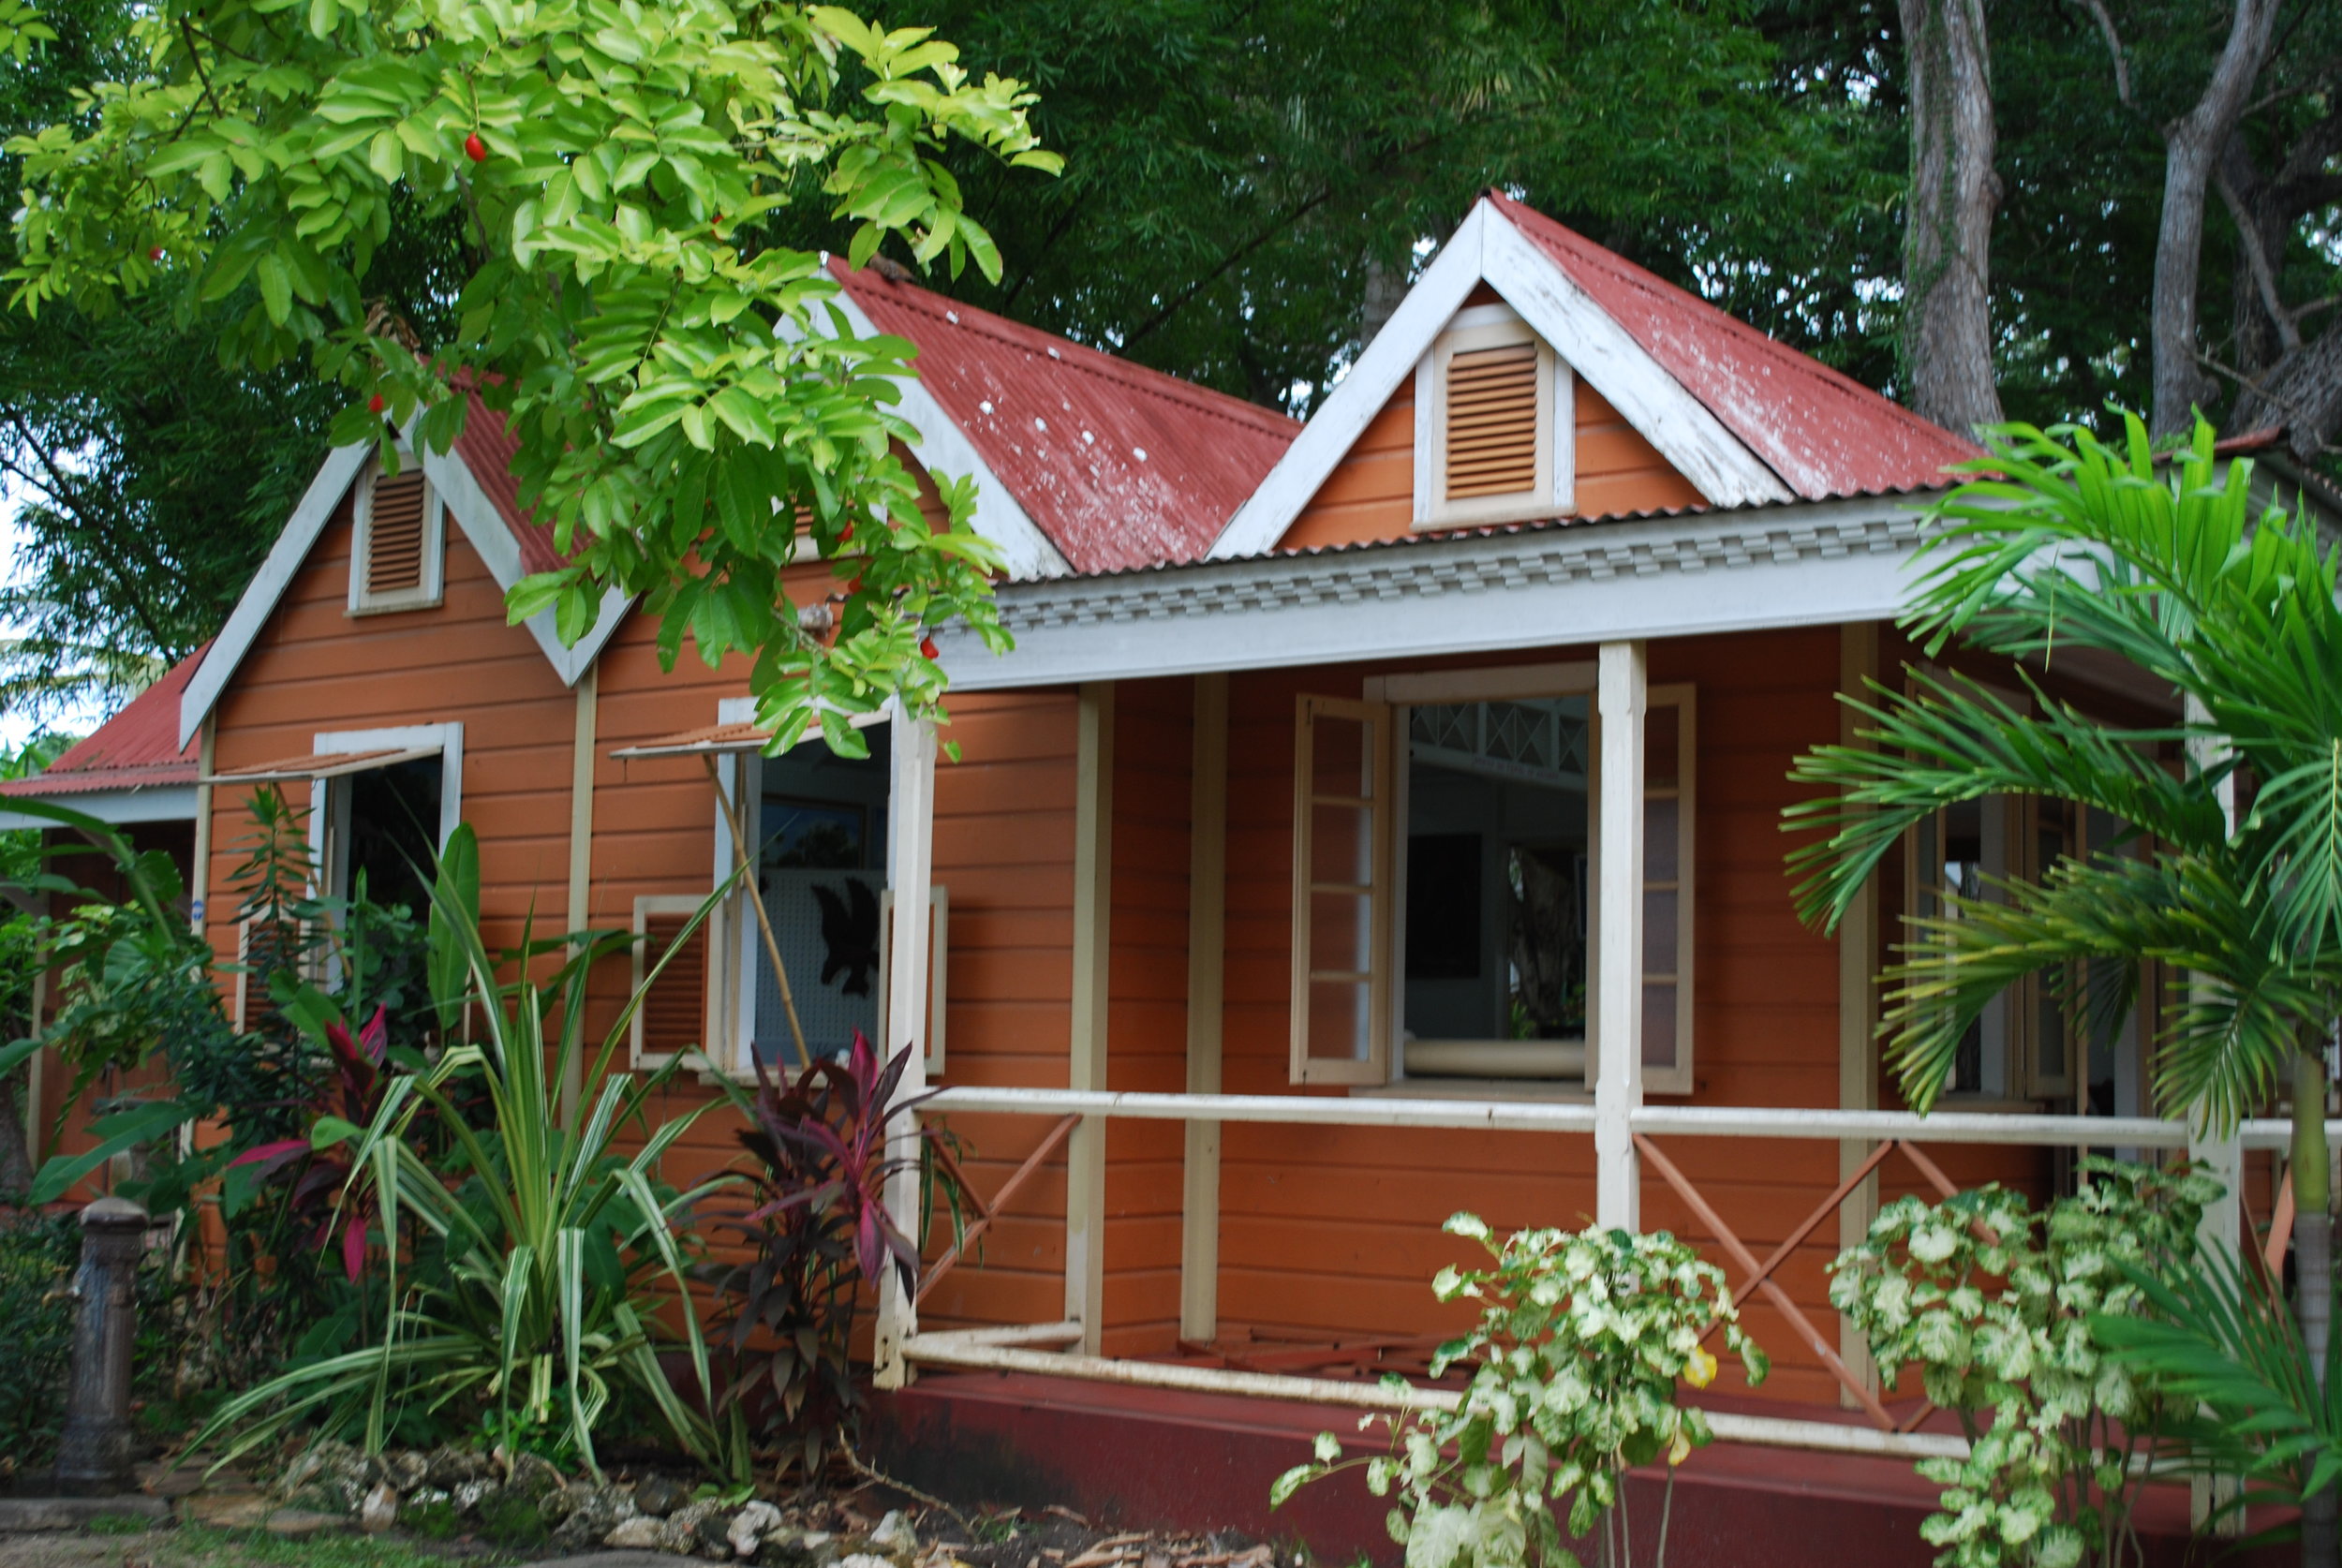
(459, 491)
(1487, 249)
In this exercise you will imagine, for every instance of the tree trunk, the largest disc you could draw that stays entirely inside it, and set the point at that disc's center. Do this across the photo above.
(16, 1157)
(2192, 145)
(2313, 1269)
(1386, 287)
(1947, 234)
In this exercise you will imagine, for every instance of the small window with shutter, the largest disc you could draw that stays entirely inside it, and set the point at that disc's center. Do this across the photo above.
(397, 541)
(1494, 422)
(681, 1012)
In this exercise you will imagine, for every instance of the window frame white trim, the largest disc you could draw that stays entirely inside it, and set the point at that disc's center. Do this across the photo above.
(1400, 694)
(326, 801)
(430, 591)
(1553, 492)
(737, 950)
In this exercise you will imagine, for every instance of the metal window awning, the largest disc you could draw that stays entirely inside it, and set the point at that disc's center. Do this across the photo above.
(320, 764)
(716, 740)
(721, 740)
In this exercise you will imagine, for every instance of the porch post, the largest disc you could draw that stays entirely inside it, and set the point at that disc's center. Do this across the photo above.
(911, 851)
(1618, 938)
(1857, 1007)
(2222, 1227)
(1206, 960)
(1086, 1067)
(580, 911)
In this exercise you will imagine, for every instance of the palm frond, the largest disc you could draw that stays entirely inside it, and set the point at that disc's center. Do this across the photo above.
(1954, 740)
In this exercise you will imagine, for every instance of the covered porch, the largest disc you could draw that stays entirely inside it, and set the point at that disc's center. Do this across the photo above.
(1229, 1184)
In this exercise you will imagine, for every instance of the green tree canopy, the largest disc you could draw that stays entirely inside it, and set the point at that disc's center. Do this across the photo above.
(679, 392)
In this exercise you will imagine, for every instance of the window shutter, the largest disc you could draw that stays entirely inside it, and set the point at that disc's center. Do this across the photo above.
(1342, 904)
(673, 1016)
(1492, 422)
(395, 535)
(1670, 735)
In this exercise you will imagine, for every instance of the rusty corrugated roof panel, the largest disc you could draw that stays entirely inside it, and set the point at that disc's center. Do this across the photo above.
(1825, 434)
(137, 748)
(1121, 465)
(487, 447)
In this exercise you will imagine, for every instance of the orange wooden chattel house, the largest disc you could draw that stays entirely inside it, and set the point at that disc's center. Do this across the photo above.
(1376, 819)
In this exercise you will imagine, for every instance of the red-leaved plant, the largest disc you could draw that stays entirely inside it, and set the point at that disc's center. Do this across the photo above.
(319, 1166)
(820, 1232)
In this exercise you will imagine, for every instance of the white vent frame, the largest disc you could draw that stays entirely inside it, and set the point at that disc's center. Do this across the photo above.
(431, 591)
(715, 1015)
(1554, 491)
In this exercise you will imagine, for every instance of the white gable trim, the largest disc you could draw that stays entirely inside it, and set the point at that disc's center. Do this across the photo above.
(943, 445)
(453, 483)
(452, 478)
(1388, 363)
(1487, 248)
(1615, 365)
(268, 585)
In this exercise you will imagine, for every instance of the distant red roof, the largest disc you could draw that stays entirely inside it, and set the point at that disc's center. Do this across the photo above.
(1824, 434)
(1119, 465)
(137, 748)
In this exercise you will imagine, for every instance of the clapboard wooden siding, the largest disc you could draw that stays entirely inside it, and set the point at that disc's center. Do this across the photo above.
(1324, 1230)
(317, 668)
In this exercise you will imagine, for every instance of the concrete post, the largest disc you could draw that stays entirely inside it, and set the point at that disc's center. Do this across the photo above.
(94, 1450)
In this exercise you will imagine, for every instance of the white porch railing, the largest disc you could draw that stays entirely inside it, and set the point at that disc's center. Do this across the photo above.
(1026, 1347)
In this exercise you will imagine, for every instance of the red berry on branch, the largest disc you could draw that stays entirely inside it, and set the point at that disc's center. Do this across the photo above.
(855, 586)
(154, 255)
(475, 148)
(926, 646)
(374, 404)
(845, 534)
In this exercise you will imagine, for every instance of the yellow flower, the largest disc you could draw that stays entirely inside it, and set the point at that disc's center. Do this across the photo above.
(1700, 1368)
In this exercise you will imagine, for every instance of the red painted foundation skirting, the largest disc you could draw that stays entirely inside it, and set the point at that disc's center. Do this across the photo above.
(1154, 1458)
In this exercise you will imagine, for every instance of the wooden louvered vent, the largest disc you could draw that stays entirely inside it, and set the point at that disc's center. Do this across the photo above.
(675, 1013)
(395, 535)
(1492, 422)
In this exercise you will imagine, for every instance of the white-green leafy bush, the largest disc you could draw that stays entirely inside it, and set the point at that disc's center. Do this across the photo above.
(1990, 1301)
(1583, 1341)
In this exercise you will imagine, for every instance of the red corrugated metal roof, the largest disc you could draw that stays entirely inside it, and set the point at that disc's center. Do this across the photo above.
(488, 445)
(1119, 465)
(137, 748)
(1826, 434)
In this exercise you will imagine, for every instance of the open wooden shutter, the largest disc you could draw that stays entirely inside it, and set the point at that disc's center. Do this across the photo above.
(1670, 736)
(1491, 440)
(395, 535)
(674, 1014)
(1342, 904)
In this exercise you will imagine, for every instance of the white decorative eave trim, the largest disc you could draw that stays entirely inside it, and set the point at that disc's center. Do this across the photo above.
(1806, 564)
(473, 511)
(152, 802)
(1485, 248)
(944, 447)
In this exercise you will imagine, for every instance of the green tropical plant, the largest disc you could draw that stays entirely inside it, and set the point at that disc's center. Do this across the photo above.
(2062, 544)
(2247, 1400)
(1993, 1301)
(1582, 1343)
(524, 1284)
